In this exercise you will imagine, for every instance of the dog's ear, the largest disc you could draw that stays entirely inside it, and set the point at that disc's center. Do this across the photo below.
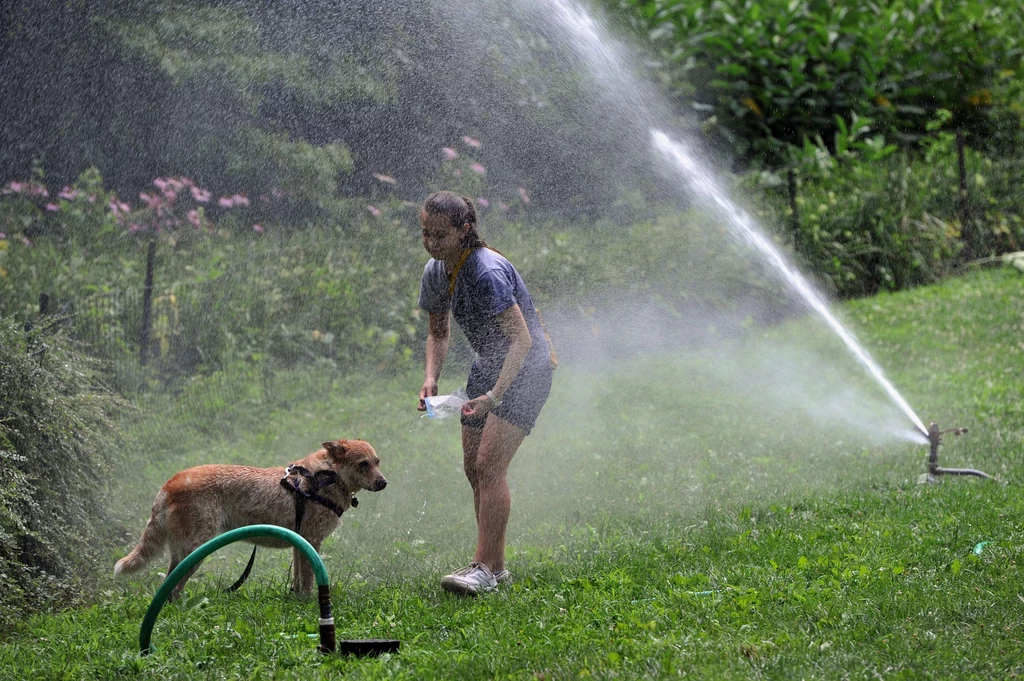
(335, 448)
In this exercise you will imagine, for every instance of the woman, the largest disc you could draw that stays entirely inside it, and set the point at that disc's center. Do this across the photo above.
(510, 379)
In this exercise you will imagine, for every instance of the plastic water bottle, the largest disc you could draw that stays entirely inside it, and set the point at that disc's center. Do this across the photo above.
(441, 406)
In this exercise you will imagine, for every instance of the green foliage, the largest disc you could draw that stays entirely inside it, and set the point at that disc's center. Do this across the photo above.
(343, 292)
(307, 176)
(866, 227)
(226, 46)
(57, 444)
(774, 72)
(224, 293)
(263, 97)
(869, 219)
(964, 57)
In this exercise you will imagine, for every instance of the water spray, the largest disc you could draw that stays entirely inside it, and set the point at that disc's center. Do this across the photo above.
(592, 41)
(741, 225)
(934, 470)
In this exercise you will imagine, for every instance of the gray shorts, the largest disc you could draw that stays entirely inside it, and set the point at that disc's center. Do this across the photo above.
(521, 403)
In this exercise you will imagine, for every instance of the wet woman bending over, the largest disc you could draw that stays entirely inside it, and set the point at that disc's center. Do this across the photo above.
(509, 381)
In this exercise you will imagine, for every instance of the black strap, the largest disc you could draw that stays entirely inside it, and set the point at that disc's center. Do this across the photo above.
(245, 575)
(317, 481)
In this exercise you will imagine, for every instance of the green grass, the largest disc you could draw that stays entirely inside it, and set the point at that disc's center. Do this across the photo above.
(645, 484)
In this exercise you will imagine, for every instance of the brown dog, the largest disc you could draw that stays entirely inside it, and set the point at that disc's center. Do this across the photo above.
(200, 503)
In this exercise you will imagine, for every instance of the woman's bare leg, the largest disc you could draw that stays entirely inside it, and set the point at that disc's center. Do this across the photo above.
(486, 456)
(470, 443)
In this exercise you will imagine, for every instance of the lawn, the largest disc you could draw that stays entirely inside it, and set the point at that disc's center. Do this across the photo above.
(744, 510)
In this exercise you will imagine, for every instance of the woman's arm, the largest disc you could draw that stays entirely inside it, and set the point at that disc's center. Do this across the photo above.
(513, 326)
(437, 348)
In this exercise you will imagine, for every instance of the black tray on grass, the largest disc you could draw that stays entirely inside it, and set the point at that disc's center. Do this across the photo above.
(368, 647)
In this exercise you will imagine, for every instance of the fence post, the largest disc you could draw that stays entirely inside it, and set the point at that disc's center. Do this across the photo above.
(791, 177)
(147, 301)
(962, 204)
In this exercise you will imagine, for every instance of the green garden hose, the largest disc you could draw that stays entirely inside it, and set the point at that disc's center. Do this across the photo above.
(327, 642)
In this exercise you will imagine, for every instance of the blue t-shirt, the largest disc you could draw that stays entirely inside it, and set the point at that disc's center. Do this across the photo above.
(486, 286)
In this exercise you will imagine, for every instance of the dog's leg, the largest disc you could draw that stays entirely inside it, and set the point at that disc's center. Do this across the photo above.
(187, 531)
(302, 572)
(176, 592)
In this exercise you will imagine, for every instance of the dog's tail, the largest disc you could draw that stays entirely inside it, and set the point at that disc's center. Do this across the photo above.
(152, 542)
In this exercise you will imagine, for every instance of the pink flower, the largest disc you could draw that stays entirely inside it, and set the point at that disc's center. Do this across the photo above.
(523, 195)
(25, 240)
(385, 178)
(258, 228)
(160, 183)
(225, 202)
(478, 168)
(2, 236)
(92, 198)
(374, 211)
(52, 207)
(475, 143)
(193, 217)
(449, 153)
(152, 202)
(15, 186)
(68, 193)
(482, 202)
(240, 200)
(200, 195)
(133, 228)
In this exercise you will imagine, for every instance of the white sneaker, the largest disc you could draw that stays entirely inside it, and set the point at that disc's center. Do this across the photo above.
(503, 577)
(469, 581)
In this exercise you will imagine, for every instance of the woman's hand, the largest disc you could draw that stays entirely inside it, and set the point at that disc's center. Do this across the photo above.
(429, 389)
(478, 406)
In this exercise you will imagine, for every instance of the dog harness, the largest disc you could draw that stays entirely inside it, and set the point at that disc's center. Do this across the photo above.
(317, 481)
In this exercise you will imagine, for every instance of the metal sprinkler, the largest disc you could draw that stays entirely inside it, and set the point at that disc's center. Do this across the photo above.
(934, 470)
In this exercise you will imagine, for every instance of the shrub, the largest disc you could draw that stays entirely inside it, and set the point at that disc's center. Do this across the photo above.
(865, 226)
(56, 438)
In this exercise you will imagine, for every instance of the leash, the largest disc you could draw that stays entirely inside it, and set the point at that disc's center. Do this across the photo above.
(451, 290)
(245, 575)
(317, 481)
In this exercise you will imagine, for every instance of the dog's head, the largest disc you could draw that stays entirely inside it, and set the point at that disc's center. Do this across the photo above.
(356, 464)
